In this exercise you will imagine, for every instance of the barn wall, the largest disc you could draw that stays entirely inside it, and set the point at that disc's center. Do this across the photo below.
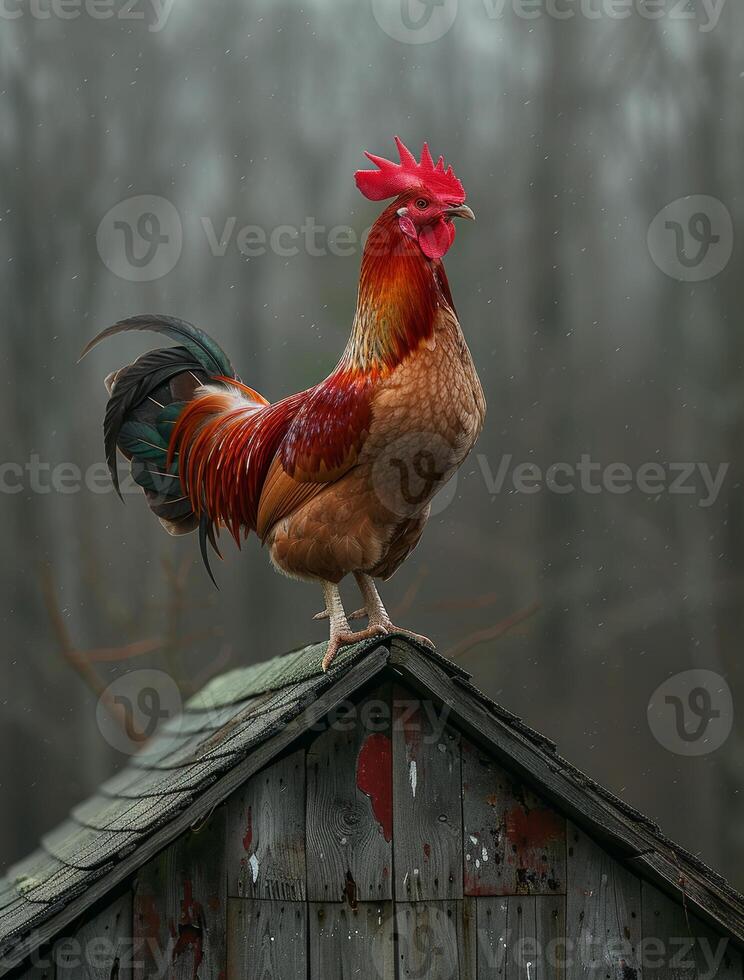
(386, 845)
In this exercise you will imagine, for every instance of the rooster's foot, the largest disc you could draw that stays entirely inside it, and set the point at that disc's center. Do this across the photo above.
(378, 615)
(392, 628)
(345, 639)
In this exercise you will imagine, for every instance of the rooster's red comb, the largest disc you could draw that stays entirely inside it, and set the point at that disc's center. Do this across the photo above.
(392, 179)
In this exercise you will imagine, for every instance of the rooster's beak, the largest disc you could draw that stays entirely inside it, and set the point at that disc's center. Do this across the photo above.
(460, 211)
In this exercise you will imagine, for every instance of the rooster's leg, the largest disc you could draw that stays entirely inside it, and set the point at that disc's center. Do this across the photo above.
(341, 633)
(357, 614)
(378, 615)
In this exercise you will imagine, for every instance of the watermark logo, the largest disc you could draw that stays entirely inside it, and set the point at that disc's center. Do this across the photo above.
(415, 21)
(134, 706)
(692, 239)
(153, 13)
(425, 21)
(140, 238)
(411, 470)
(692, 713)
(587, 475)
(406, 472)
(424, 940)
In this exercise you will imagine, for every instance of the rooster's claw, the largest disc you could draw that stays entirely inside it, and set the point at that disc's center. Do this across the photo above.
(346, 639)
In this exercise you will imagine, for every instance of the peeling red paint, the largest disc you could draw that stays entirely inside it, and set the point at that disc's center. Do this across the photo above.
(427, 851)
(531, 828)
(190, 933)
(146, 911)
(147, 917)
(248, 838)
(474, 886)
(374, 777)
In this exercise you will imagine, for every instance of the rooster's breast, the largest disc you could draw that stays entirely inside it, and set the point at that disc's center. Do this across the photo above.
(426, 416)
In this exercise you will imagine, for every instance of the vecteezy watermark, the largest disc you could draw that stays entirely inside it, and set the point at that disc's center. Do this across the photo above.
(691, 713)
(154, 13)
(408, 470)
(505, 949)
(706, 14)
(424, 720)
(140, 238)
(692, 239)
(310, 237)
(426, 21)
(134, 706)
(418, 941)
(39, 476)
(590, 476)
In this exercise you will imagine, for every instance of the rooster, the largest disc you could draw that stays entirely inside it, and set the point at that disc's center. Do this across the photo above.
(338, 479)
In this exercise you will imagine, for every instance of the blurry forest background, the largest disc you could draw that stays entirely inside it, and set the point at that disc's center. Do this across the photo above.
(570, 136)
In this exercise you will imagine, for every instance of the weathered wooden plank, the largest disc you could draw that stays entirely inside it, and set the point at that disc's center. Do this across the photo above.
(514, 842)
(179, 907)
(349, 805)
(435, 940)
(566, 788)
(266, 940)
(467, 938)
(678, 946)
(102, 947)
(348, 943)
(427, 809)
(522, 937)
(42, 969)
(603, 927)
(266, 833)
(346, 682)
(493, 947)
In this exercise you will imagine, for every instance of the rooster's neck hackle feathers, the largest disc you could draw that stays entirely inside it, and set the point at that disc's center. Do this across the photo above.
(400, 292)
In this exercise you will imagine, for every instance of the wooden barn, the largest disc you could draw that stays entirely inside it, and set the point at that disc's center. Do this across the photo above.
(386, 820)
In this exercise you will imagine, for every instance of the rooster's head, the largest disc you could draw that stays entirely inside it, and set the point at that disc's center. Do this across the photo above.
(428, 196)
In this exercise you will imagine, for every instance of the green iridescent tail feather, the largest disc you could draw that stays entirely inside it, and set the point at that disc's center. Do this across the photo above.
(146, 398)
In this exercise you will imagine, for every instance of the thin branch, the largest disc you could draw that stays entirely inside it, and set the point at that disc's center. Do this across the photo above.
(468, 602)
(492, 632)
(409, 596)
(75, 658)
(126, 652)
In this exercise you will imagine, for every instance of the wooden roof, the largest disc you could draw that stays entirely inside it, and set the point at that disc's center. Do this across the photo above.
(242, 720)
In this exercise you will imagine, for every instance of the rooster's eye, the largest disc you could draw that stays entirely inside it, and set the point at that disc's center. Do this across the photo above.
(422, 203)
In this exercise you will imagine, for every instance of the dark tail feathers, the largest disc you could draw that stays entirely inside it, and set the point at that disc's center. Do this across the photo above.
(146, 398)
